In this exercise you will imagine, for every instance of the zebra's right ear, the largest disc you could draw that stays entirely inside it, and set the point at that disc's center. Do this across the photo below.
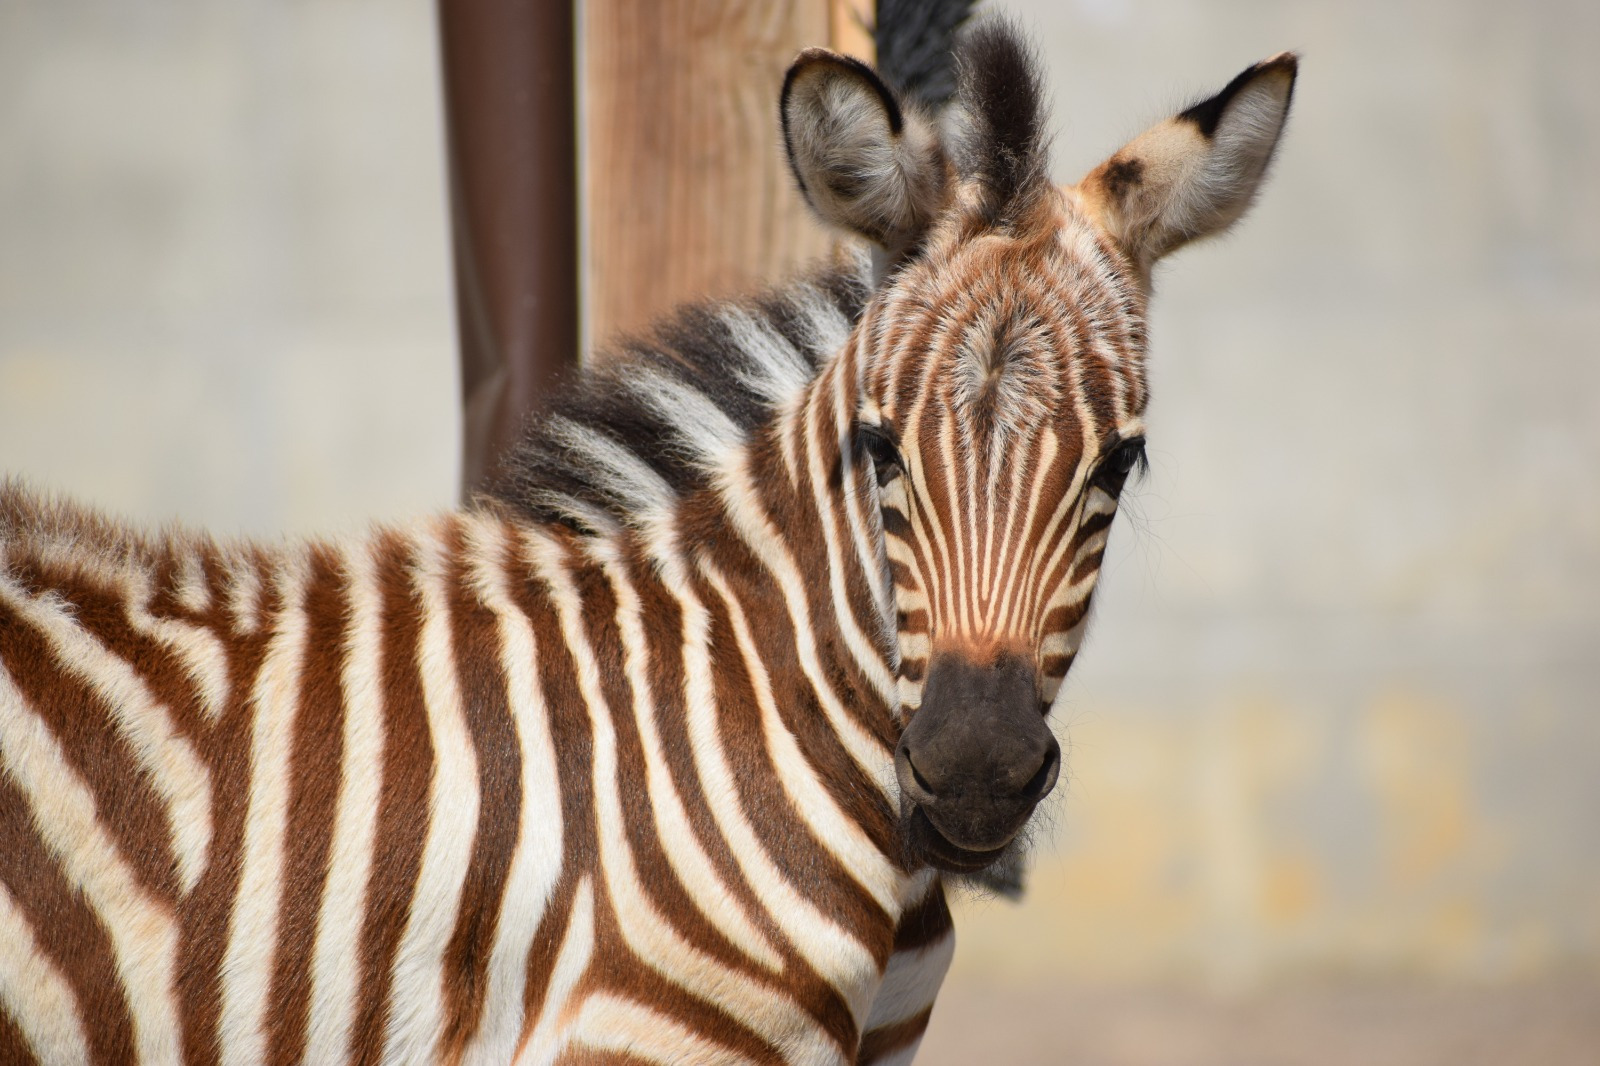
(864, 162)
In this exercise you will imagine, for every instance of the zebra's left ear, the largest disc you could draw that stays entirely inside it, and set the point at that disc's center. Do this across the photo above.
(864, 161)
(1196, 173)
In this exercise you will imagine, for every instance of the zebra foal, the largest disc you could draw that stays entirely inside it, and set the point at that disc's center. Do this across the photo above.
(663, 752)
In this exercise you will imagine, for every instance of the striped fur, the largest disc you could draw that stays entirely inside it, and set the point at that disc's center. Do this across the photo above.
(601, 769)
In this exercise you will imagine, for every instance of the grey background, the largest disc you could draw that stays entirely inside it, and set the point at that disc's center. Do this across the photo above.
(224, 259)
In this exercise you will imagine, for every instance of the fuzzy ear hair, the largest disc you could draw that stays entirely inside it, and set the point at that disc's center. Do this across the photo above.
(1196, 173)
(864, 162)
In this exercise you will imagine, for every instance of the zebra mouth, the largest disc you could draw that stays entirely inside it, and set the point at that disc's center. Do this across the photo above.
(925, 843)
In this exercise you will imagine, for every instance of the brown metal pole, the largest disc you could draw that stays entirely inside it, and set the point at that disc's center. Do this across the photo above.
(510, 122)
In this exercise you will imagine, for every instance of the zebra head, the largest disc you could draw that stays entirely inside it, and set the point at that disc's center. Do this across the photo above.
(1000, 388)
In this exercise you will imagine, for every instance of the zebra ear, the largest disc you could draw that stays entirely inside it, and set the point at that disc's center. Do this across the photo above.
(1196, 173)
(864, 162)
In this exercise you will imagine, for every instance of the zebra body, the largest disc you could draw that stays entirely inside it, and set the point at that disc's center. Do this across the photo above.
(664, 752)
(480, 724)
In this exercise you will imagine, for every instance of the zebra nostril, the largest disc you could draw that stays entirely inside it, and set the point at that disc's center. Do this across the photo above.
(1044, 778)
(912, 783)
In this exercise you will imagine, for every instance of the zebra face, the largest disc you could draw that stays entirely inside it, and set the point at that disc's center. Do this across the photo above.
(998, 421)
(999, 389)
(1000, 414)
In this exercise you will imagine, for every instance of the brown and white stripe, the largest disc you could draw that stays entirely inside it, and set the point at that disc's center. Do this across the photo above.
(465, 794)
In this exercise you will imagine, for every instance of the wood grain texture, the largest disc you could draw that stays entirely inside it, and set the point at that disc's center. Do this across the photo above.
(687, 190)
(850, 28)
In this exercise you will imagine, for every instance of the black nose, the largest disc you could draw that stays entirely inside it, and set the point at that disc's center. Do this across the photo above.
(1010, 779)
(977, 756)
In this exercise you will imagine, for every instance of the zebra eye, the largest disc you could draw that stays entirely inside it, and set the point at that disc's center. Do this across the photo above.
(1119, 463)
(879, 445)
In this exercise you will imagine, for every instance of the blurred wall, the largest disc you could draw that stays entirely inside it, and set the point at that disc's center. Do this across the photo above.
(1338, 712)
(224, 267)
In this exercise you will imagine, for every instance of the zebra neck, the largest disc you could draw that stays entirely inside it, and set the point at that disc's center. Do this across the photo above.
(782, 547)
(797, 497)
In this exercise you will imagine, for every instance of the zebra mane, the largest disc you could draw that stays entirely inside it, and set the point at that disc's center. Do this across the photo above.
(1002, 100)
(646, 420)
(915, 42)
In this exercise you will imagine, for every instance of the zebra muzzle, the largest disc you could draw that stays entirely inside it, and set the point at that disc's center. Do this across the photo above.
(975, 760)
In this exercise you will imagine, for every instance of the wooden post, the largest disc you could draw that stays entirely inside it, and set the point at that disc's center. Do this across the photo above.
(850, 27)
(687, 191)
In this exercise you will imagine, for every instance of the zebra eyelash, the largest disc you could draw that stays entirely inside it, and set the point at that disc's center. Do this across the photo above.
(879, 445)
(1125, 458)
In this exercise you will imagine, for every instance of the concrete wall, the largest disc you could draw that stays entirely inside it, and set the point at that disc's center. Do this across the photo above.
(1338, 713)
(224, 259)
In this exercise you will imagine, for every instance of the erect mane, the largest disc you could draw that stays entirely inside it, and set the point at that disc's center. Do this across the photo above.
(915, 42)
(640, 426)
(1001, 95)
